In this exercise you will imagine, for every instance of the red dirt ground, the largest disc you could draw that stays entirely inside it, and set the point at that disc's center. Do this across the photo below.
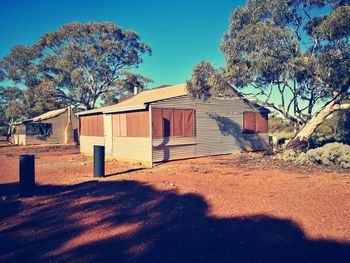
(201, 210)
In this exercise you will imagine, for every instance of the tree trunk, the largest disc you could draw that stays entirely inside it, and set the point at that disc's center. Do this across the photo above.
(301, 141)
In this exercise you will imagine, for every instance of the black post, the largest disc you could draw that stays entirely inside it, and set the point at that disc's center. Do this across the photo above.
(26, 175)
(99, 161)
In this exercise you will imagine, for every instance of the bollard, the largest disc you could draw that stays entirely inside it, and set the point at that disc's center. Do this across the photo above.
(26, 175)
(99, 161)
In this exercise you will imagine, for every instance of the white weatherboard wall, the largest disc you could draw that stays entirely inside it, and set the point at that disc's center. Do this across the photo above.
(219, 124)
(87, 143)
(107, 121)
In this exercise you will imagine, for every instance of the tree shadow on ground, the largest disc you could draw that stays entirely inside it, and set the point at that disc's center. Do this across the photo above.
(128, 221)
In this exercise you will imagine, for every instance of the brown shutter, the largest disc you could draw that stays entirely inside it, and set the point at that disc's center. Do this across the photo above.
(131, 119)
(157, 125)
(262, 122)
(100, 126)
(95, 125)
(249, 122)
(123, 127)
(168, 122)
(89, 121)
(82, 126)
(189, 126)
(116, 125)
(143, 126)
(178, 122)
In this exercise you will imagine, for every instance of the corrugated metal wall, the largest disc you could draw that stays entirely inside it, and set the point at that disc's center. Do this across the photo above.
(219, 124)
(132, 148)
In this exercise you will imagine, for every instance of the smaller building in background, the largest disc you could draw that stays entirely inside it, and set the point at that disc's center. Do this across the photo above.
(53, 127)
(166, 124)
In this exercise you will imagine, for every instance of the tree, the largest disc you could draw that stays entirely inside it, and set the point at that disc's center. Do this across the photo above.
(286, 49)
(79, 63)
(125, 88)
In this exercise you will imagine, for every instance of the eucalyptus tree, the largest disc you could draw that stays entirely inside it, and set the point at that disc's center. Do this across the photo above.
(78, 63)
(295, 50)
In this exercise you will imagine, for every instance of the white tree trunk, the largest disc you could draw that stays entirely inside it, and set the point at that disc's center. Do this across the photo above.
(300, 141)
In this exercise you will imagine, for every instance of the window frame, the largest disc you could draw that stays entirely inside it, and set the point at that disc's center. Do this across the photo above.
(258, 115)
(39, 126)
(172, 123)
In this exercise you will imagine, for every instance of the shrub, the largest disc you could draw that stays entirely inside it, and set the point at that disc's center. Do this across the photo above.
(331, 153)
(288, 155)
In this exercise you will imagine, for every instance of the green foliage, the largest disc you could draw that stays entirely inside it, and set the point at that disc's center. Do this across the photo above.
(79, 63)
(284, 48)
(334, 129)
(279, 125)
(331, 153)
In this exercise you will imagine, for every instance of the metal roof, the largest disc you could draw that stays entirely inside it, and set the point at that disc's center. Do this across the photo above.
(141, 100)
(42, 117)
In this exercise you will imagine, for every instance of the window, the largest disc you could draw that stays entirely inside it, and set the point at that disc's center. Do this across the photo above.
(41, 129)
(91, 125)
(255, 122)
(131, 124)
(173, 123)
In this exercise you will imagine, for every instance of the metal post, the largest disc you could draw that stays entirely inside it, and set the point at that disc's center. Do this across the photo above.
(99, 161)
(26, 175)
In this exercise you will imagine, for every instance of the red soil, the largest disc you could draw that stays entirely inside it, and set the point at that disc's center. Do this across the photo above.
(206, 209)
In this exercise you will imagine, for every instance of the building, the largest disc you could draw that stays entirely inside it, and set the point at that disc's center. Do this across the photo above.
(166, 124)
(53, 127)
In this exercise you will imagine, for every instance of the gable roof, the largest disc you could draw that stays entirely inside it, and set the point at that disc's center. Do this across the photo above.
(42, 117)
(141, 100)
(49, 115)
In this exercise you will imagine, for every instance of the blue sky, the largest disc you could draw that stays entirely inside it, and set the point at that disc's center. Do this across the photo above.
(181, 33)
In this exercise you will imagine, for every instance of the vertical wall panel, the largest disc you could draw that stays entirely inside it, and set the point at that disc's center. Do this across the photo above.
(116, 125)
(100, 125)
(92, 125)
(143, 130)
(157, 123)
(189, 128)
(262, 123)
(168, 122)
(178, 122)
(132, 119)
(123, 129)
(249, 122)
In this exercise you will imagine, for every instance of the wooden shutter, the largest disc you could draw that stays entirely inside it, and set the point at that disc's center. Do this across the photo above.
(157, 125)
(168, 122)
(249, 122)
(143, 126)
(92, 125)
(123, 128)
(100, 126)
(95, 125)
(178, 122)
(82, 126)
(116, 125)
(189, 125)
(262, 122)
(131, 123)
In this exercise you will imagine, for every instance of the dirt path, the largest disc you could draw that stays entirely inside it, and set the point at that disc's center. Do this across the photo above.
(205, 209)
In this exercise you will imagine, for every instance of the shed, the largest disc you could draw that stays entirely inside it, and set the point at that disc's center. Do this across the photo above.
(53, 127)
(166, 124)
